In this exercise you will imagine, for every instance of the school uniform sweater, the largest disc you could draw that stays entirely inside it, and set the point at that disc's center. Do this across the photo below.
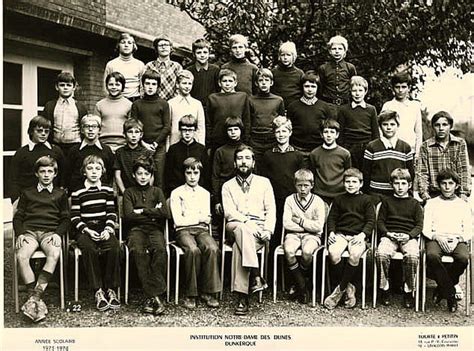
(287, 83)
(246, 72)
(380, 161)
(352, 214)
(400, 215)
(312, 214)
(43, 210)
(206, 82)
(124, 159)
(264, 107)
(113, 112)
(153, 202)
(328, 166)
(358, 125)
(223, 167)
(154, 113)
(306, 121)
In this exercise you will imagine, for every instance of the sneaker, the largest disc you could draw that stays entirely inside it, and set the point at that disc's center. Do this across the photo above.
(384, 297)
(159, 308)
(332, 300)
(350, 300)
(114, 302)
(102, 303)
(258, 284)
(42, 311)
(30, 307)
(459, 295)
(408, 300)
(148, 306)
(242, 307)
(189, 302)
(210, 300)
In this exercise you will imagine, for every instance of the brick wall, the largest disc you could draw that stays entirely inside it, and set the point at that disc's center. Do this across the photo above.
(91, 10)
(89, 74)
(154, 17)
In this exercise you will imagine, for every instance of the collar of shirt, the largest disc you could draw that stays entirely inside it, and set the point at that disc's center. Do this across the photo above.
(41, 187)
(31, 145)
(84, 144)
(337, 63)
(241, 181)
(199, 67)
(389, 144)
(305, 199)
(309, 102)
(278, 149)
(89, 185)
(69, 100)
(190, 188)
(452, 138)
(329, 147)
(401, 197)
(160, 61)
(362, 104)
(182, 98)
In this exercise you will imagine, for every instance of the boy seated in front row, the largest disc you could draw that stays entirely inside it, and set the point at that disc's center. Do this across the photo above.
(399, 224)
(145, 211)
(448, 227)
(41, 220)
(191, 209)
(93, 215)
(303, 220)
(328, 162)
(350, 224)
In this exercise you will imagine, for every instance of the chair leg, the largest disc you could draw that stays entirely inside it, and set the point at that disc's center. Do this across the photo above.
(15, 282)
(323, 276)
(61, 279)
(423, 285)
(275, 278)
(468, 288)
(283, 271)
(374, 288)
(364, 277)
(262, 271)
(417, 288)
(315, 266)
(168, 275)
(127, 273)
(76, 277)
(176, 287)
(222, 272)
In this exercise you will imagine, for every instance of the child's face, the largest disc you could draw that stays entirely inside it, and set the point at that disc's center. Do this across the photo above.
(286, 59)
(114, 87)
(401, 187)
(352, 185)
(65, 89)
(389, 128)
(40, 135)
(234, 133)
(228, 84)
(358, 93)
(126, 46)
(133, 136)
(448, 187)
(93, 172)
(191, 176)
(337, 51)
(264, 84)
(142, 176)
(310, 89)
(202, 55)
(329, 136)
(163, 48)
(238, 50)
(282, 135)
(187, 133)
(401, 91)
(184, 86)
(303, 187)
(442, 129)
(150, 86)
(45, 175)
(91, 131)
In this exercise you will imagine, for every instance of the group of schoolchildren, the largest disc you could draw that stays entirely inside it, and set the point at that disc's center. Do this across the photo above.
(163, 135)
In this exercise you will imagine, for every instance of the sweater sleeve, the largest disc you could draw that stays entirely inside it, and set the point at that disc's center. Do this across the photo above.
(182, 216)
(19, 215)
(246, 118)
(201, 128)
(209, 120)
(165, 131)
(367, 167)
(315, 224)
(64, 219)
(134, 111)
(76, 219)
(382, 215)
(161, 208)
(374, 124)
(418, 228)
(15, 176)
(269, 207)
(231, 212)
(462, 164)
(216, 171)
(128, 207)
(281, 108)
(422, 172)
(111, 212)
(428, 220)
(467, 222)
(288, 223)
(369, 218)
(333, 216)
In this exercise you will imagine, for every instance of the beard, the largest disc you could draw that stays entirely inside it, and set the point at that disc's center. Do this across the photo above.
(244, 173)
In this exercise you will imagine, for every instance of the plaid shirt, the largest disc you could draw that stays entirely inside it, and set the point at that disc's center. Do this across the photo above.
(434, 157)
(168, 71)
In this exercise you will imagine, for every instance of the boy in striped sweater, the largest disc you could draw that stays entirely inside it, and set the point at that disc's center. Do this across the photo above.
(303, 220)
(93, 214)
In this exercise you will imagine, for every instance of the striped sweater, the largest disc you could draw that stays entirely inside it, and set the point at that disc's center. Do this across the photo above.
(93, 208)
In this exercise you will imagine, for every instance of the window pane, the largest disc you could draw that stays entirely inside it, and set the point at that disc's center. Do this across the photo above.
(12, 83)
(11, 129)
(46, 82)
(6, 175)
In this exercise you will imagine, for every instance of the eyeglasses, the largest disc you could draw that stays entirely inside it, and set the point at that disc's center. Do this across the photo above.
(163, 45)
(42, 130)
(90, 126)
(184, 129)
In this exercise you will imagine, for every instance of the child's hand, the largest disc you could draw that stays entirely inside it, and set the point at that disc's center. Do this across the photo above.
(105, 235)
(93, 234)
(331, 238)
(148, 146)
(20, 240)
(218, 209)
(464, 197)
(138, 210)
(159, 205)
(443, 242)
(392, 236)
(296, 219)
(265, 235)
(403, 238)
(358, 239)
(55, 240)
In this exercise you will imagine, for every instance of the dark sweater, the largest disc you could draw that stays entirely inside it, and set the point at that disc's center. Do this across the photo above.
(205, 82)
(263, 109)
(335, 78)
(287, 83)
(174, 171)
(280, 168)
(155, 116)
(306, 121)
(352, 214)
(246, 72)
(42, 211)
(22, 173)
(223, 168)
(379, 162)
(48, 112)
(74, 177)
(219, 107)
(146, 197)
(124, 158)
(358, 125)
(400, 215)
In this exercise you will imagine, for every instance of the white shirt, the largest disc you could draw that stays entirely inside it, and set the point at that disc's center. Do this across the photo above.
(190, 206)
(186, 105)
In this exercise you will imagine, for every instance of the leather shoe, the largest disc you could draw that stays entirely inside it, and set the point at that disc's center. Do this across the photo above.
(384, 297)
(242, 307)
(452, 304)
(159, 308)
(437, 298)
(408, 300)
(258, 284)
(210, 300)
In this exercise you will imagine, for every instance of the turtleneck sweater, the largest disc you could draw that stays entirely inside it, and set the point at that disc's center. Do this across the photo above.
(287, 83)
(154, 113)
(245, 71)
(113, 111)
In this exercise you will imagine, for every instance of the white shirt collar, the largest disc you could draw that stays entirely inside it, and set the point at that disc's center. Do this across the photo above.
(333, 146)
(389, 143)
(185, 98)
(69, 99)
(31, 145)
(41, 187)
(88, 184)
(199, 67)
(84, 144)
(189, 188)
(362, 104)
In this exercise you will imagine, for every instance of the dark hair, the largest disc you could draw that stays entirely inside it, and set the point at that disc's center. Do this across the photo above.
(226, 72)
(145, 162)
(117, 76)
(132, 123)
(243, 147)
(38, 121)
(193, 163)
(46, 161)
(402, 77)
(65, 77)
(388, 115)
(157, 40)
(442, 114)
(448, 173)
(310, 77)
(188, 121)
(126, 36)
(201, 43)
(330, 124)
(149, 74)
